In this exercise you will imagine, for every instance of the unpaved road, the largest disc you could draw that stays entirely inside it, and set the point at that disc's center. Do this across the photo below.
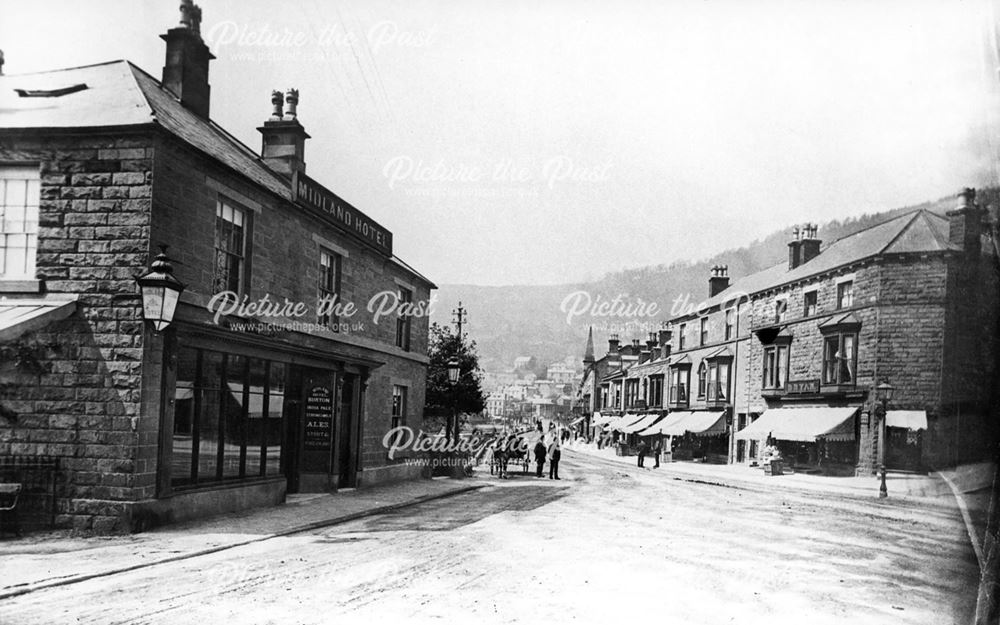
(606, 544)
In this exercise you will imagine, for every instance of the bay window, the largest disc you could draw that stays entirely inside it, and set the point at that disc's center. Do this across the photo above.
(680, 378)
(840, 358)
(775, 366)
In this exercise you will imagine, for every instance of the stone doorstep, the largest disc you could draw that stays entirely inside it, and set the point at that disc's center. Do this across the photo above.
(51, 581)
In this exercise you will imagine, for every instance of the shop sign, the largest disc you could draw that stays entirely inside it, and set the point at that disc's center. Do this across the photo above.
(803, 387)
(319, 419)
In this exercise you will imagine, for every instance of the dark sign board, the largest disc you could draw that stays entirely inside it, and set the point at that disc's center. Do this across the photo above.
(803, 387)
(308, 192)
(319, 419)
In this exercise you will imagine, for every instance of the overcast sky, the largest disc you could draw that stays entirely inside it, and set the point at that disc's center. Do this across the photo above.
(537, 142)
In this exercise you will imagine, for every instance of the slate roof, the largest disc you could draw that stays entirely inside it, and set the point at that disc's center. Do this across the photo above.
(918, 231)
(120, 94)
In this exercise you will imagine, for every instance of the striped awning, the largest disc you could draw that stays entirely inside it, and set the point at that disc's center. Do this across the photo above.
(705, 423)
(668, 426)
(626, 421)
(803, 424)
(645, 422)
(18, 316)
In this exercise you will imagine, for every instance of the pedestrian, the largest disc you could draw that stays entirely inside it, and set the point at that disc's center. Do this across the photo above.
(554, 454)
(657, 447)
(540, 452)
(641, 451)
(500, 455)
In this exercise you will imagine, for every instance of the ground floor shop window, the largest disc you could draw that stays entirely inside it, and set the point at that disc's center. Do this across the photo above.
(227, 417)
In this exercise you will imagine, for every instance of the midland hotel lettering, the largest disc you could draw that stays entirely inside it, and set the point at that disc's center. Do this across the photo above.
(316, 196)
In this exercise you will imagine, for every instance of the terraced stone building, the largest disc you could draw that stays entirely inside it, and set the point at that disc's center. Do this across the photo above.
(225, 409)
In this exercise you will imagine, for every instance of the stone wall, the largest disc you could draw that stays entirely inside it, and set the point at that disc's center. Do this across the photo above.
(85, 408)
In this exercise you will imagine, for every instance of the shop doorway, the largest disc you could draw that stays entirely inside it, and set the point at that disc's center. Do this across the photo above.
(347, 462)
(902, 451)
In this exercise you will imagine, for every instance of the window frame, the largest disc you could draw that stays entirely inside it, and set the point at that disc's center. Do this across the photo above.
(330, 320)
(775, 367)
(681, 331)
(398, 414)
(730, 323)
(845, 287)
(702, 379)
(806, 303)
(780, 309)
(404, 323)
(703, 331)
(678, 391)
(209, 438)
(243, 270)
(30, 175)
(829, 360)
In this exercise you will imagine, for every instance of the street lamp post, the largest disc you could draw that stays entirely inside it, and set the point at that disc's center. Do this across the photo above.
(454, 370)
(883, 394)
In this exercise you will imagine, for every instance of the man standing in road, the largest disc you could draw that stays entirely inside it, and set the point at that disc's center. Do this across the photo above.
(539, 456)
(641, 451)
(554, 454)
(656, 452)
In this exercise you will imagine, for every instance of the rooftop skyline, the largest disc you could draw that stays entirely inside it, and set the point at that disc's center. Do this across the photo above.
(524, 144)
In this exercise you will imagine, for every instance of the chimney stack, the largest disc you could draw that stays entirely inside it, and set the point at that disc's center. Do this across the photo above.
(185, 73)
(283, 144)
(651, 342)
(795, 250)
(965, 223)
(664, 336)
(809, 246)
(613, 343)
(719, 280)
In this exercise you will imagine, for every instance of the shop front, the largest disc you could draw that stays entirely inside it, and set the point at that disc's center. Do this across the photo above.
(249, 419)
(809, 438)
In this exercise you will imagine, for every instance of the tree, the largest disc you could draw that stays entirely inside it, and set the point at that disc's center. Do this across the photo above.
(464, 396)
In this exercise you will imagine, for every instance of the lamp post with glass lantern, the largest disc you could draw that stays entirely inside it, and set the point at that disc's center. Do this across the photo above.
(454, 371)
(160, 291)
(883, 394)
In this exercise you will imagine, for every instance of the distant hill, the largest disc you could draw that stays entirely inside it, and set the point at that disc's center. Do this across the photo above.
(511, 321)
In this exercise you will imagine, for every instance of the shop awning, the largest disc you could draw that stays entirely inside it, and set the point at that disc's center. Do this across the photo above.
(576, 420)
(645, 422)
(802, 424)
(18, 316)
(601, 419)
(909, 419)
(671, 425)
(626, 421)
(705, 423)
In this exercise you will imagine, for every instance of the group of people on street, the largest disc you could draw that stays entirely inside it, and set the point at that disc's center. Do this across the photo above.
(507, 447)
(643, 449)
(553, 452)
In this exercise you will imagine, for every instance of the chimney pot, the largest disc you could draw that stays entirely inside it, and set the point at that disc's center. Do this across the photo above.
(292, 102)
(809, 247)
(277, 101)
(718, 281)
(283, 137)
(186, 8)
